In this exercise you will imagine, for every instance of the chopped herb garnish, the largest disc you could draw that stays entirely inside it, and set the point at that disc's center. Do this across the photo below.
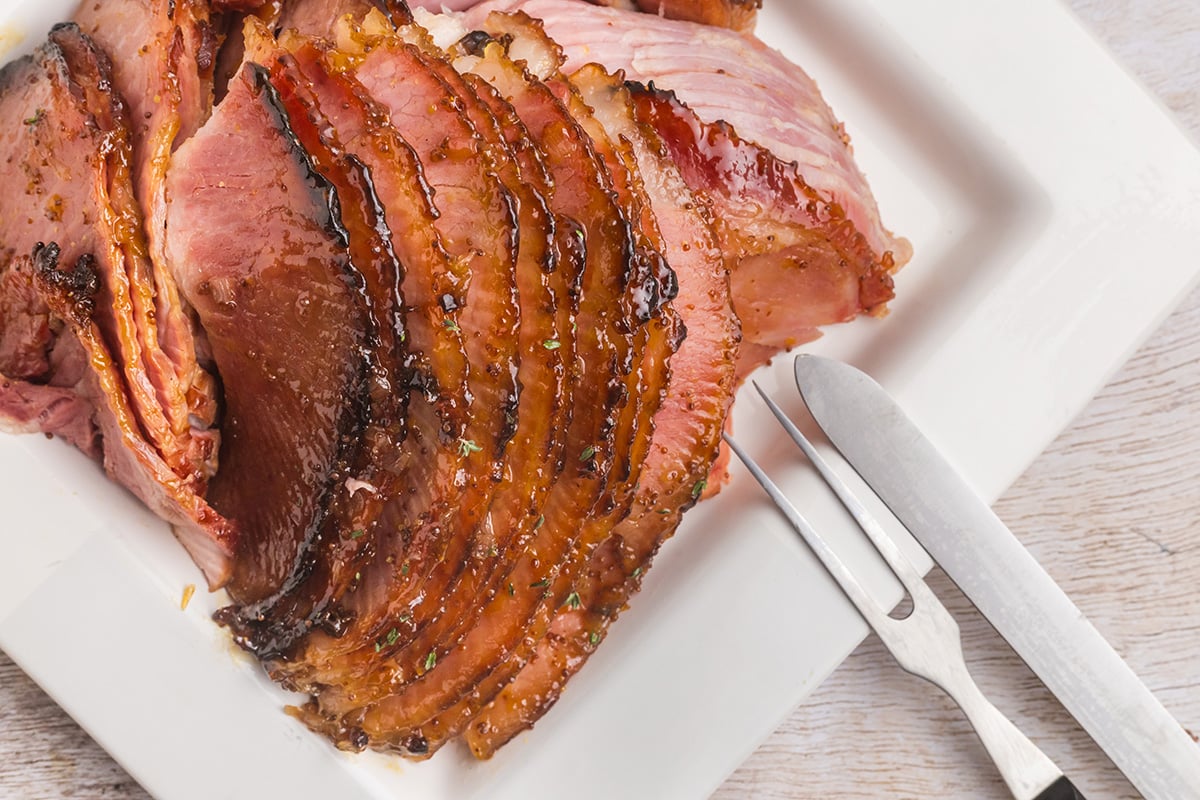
(36, 118)
(664, 511)
(594, 638)
(358, 534)
(404, 568)
(637, 572)
(573, 600)
(700, 486)
(552, 344)
(493, 551)
(511, 590)
(451, 325)
(466, 447)
(430, 659)
(540, 522)
(392, 637)
(542, 584)
(587, 453)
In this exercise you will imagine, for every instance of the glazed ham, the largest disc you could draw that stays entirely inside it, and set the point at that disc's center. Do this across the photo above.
(420, 328)
(69, 146)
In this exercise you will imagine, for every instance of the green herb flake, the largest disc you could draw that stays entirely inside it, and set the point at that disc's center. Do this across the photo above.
(552, 344)
(594, 638)
(36, 118)
(573, 600)
(451, 325)
(466, 447)
(393, 636)
(404, 568)
(542, 584)
(511, 590)
(700, 486)
(636, 572)
(430, 660)
(664, 511)
(358, 534)
(540, 522)
(587, 453)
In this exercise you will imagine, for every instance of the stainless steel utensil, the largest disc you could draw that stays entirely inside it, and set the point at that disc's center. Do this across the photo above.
(1016, 595)
(926, 643)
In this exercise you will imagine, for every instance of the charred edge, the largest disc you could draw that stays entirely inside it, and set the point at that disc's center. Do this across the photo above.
(206, 51)
(86, 62)
(75, 290)
(320, 186)
(476, 42)
(681, 333)
(397, 12)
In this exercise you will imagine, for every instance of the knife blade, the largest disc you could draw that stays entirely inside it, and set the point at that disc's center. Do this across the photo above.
(1001, 578)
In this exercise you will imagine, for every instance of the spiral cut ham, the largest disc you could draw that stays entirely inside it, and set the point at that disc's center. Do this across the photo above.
(421, 329)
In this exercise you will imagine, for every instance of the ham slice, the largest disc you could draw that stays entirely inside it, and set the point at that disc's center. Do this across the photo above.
(268, 273)
(70, 147)
(820, 243)
(687, 428)
(167, 89)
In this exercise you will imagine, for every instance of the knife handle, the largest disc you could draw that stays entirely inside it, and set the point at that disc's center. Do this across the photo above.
(1061, 789)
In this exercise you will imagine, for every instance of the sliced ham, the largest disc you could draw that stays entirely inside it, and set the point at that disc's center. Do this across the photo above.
(41, 364)
(722, 76)
(379, 459)
(793, 204)
(687, 428)
(477, 224)
(476, 297)
(167, 91)
(404, 532)
(69, 146)
(268, 273)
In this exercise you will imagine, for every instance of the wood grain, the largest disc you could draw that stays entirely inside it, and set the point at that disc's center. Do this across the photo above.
(1112, 509)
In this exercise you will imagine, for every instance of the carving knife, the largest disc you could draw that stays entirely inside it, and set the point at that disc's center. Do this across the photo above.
(995, 571)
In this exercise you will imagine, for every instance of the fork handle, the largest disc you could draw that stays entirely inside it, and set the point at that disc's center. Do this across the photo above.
(1061, 789)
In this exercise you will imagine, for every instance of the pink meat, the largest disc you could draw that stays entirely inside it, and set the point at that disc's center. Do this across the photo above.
(721, 75)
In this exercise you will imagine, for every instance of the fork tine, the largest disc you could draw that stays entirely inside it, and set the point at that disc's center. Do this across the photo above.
(883, 543)
(841, 574)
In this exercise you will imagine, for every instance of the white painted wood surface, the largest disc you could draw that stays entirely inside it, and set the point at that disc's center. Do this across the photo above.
(1112, 509)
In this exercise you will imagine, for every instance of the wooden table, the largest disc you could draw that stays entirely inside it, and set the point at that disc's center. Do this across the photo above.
(1112, 509)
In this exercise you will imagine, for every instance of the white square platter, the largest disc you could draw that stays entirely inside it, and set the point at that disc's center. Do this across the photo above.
(1055, 213)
